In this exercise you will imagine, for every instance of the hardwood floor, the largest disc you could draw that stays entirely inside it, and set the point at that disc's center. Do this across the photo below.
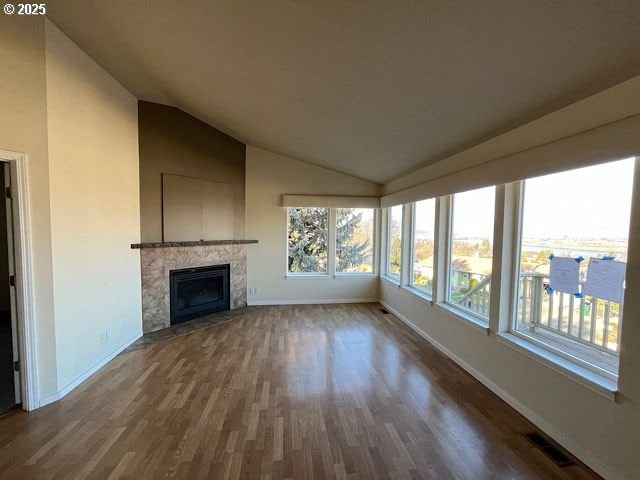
(331, 391)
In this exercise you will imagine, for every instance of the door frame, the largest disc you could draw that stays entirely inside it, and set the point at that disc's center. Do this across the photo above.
(25, 304)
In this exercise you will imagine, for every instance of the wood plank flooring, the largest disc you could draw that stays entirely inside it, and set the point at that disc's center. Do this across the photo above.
(299, 392)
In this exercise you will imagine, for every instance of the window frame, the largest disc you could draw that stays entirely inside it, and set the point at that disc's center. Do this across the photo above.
(549, 353)
(412, 251)
(446, 304)
(374, 245)
(331, 249)
(289, 274)
(386, 268)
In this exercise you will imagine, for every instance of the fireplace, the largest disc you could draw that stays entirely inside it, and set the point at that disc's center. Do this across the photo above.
(195, 292)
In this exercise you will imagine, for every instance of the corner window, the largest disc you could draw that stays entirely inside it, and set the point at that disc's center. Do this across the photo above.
(354, 240)
(580, 214)
(307, 240)
(471, 250)
(423, 245)
(394, 242)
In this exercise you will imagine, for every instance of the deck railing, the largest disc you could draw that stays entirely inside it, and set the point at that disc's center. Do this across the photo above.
(471, 291)
(587, 320)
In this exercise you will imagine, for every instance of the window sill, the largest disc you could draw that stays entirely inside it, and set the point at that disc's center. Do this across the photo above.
(391, 280)
(591, 380)
(422, 295)
(307, 276)
(470, 320)
(349, 276)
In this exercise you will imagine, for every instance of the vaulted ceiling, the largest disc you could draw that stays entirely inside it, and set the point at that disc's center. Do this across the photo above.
(373, 88)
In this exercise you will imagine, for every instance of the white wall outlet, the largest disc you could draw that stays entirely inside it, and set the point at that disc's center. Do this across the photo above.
(108, 336)
(254, 291)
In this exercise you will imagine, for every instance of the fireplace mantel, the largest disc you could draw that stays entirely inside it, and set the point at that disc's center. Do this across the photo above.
(200, 243)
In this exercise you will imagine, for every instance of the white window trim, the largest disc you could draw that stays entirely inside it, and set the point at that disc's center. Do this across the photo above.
(392, 280)
(569, 368)
(419, 293)
(332, 245)
(374, 248)
(305, 275)
(387, 248)
(412, 253)
(446, 305)
(590, 375)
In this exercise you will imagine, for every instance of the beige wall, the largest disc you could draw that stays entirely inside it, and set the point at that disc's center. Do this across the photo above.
(268, 177)
(172, 141)
(601, 432)
(23, 128)
(95, 214)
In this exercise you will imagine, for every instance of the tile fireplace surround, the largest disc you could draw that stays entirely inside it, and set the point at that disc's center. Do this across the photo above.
(158, 259)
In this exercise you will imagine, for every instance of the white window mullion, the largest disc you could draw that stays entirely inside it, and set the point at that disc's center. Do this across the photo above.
(406, 255)
(442, 248)
(331, 236)
(385, 241)
(377, 241)
(504, 272)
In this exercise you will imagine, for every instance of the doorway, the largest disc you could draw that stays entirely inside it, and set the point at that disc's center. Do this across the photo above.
(9, 371)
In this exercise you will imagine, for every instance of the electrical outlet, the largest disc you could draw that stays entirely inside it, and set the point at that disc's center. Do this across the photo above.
(108, 336)
(256, 291)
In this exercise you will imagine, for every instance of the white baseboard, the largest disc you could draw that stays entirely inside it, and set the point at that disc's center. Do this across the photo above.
(73, 384)
(312, 302)
(525, 411)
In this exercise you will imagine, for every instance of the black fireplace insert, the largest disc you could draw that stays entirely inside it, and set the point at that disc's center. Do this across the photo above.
(196, 292)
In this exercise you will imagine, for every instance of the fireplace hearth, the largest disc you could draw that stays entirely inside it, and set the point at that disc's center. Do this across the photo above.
(195, 292)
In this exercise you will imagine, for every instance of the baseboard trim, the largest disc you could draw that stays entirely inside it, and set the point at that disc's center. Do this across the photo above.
(525, 411)
(75, 383)
(312, 302)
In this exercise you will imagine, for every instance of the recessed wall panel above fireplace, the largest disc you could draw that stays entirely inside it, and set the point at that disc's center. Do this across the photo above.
(196, 209)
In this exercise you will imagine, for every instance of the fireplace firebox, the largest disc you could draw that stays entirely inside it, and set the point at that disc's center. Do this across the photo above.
(195, 292)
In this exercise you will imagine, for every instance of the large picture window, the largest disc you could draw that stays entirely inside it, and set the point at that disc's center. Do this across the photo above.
(394, 235)
(471, 250)
(354, 240)
(581, 213)
(423, 245)
(307, 240)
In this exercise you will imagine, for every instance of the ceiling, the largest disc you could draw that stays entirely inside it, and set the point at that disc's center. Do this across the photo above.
(375, 89)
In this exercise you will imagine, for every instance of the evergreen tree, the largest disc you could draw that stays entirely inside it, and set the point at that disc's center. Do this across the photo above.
(308, 243)
(308, 239)
(351, 251)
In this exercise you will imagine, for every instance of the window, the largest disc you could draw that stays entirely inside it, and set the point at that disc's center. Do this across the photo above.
(471, 250)
(307, 240)
(354, 240)
(394, 252)
(578, 213)
(423, 245)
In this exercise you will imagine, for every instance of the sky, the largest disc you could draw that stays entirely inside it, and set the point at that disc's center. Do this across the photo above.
(590, 202)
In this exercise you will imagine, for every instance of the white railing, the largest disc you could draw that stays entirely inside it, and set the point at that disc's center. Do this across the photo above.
(471, 291)
(588, 320)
